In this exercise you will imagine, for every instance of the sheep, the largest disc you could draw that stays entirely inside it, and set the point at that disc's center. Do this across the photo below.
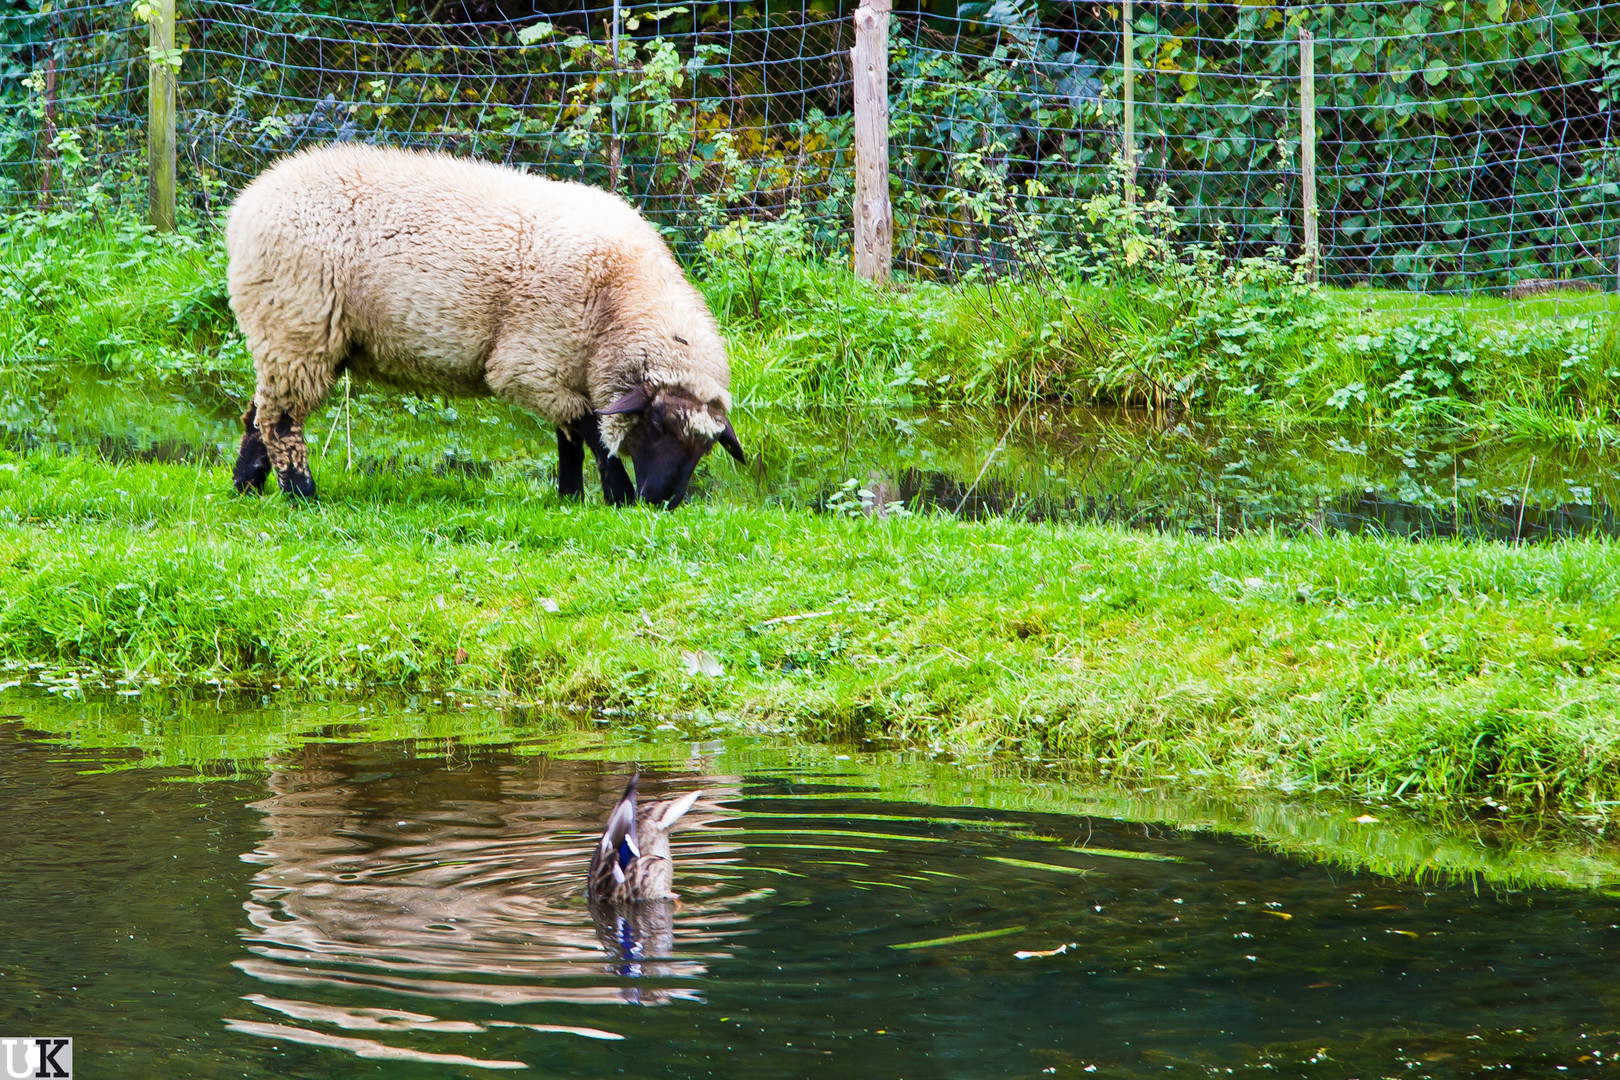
(464, 277)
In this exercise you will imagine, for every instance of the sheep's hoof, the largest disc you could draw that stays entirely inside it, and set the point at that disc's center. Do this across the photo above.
(252, 466)
(299, 487)
(617, 488)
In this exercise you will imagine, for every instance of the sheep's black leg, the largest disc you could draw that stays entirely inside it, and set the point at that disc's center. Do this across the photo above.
(253, 460)
(617, 489)
(290, 457)
(570, 465)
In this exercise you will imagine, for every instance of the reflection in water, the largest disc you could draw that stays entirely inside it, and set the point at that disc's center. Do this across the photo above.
(640, 936)
(1191, 473)
(1194, 476)
(466, 887)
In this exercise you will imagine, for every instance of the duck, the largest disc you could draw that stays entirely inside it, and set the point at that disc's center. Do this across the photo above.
(632, 862)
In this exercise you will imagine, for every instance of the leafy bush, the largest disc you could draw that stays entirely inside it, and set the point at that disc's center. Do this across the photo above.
(1461, 143)
(753, 265)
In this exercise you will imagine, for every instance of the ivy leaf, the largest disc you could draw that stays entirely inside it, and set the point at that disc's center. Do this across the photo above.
(1434, 72)
(536, 32)
(1496, 10)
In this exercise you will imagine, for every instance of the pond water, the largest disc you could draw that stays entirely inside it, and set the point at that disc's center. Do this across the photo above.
(1137, 470)
(413, 908)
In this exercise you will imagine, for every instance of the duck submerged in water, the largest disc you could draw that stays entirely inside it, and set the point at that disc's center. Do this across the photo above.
(632, 862)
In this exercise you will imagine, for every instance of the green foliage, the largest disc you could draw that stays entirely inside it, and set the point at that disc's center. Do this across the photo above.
(662, 124)
(1463, 144)
(1433, 357)
(68, 140)
(856, 500)
(651, 91)
(750, 266)
(1453, 153)
(1123, 317)
(20, 109)
(1249, 327)
(822, 336)
(1444, 127)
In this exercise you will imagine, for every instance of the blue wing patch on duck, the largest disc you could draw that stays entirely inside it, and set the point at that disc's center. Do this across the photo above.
(632, 860)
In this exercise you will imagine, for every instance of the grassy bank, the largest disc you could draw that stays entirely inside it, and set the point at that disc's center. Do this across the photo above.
(1477, 675)
(1249, 343)
(147, 316)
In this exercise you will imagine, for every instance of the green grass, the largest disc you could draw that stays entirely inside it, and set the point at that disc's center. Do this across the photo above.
(147, 316)
(1379, 668)
(1486, 306)
(1268, 349)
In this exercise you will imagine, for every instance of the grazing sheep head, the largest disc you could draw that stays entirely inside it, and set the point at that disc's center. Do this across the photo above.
(671, 433)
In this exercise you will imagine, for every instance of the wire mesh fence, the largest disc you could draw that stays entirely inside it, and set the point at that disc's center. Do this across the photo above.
(1462, 145)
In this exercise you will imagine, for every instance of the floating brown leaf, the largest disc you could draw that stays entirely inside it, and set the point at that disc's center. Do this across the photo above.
(1030, 954)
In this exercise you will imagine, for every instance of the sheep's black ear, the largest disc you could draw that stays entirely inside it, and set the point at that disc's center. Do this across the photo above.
(728, 439)
(634, 400)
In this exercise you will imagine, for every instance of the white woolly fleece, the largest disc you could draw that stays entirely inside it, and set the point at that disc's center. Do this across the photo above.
(460, 277)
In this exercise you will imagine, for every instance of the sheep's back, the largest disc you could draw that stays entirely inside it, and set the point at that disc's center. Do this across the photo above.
(416, 263)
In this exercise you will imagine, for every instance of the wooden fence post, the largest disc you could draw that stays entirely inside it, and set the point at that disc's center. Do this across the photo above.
(1128, 147)
(160, 142)
(48, 151)
(1307, 146)
(616, 142)
(874, 217)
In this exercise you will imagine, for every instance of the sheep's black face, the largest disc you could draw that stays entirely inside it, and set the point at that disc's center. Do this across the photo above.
(664, 467)
(672, 433)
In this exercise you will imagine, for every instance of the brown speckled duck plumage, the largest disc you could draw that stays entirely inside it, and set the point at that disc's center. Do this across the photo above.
(632, 861)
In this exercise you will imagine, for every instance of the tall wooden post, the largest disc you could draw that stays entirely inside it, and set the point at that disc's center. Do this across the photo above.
(160, 120)
(874, 217)
(47, 152)
(1128, 147)
(615, 142)
(1307, 146)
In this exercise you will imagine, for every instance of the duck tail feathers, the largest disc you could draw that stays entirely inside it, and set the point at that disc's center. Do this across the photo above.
(675, 810)
(622, 822)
